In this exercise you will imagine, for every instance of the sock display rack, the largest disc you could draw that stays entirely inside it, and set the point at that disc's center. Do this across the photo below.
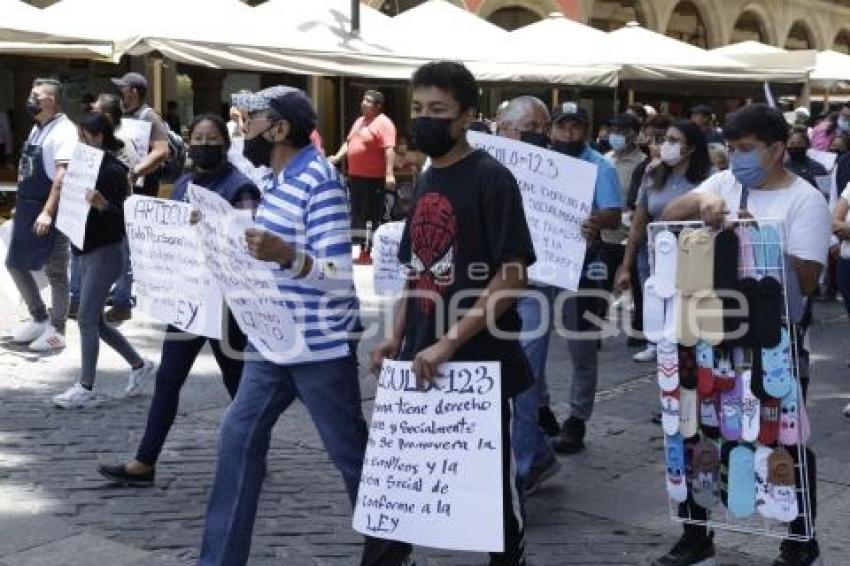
(734, 421)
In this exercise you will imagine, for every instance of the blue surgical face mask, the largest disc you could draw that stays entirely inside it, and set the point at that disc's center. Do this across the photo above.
(747, 168)
(617, 141)
(844, 124)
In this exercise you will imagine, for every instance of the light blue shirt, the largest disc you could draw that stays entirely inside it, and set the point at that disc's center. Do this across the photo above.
(608, 194)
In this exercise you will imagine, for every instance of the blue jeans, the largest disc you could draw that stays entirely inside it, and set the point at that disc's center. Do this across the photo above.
(843, 281)
(583, 352)
(179, 352)
(330, 391)
(530, 444)
(98, 270)
(122, 293)
(74, 280)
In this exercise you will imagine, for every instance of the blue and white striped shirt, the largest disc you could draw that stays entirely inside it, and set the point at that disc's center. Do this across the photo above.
(307, 206)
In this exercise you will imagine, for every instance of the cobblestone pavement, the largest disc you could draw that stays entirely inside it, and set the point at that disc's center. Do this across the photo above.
(607, 506)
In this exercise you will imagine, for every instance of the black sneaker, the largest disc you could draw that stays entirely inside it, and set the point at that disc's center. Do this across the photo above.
(539, 474)
(117, 314)
(793, 553)
(120, 476)
(691, 550)
(72, 310)
(547, 421)
(571, 438)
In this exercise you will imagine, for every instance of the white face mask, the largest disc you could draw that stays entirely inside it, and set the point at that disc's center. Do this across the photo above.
(671, 153)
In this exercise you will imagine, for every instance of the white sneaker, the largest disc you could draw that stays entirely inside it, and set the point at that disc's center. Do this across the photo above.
(648, 354)
(846, 410)
(29, 332)
(76, 397)
(138, 377)
(49, 341)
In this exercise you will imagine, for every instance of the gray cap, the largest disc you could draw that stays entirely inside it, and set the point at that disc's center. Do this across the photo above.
(131, 80)
(289, 102)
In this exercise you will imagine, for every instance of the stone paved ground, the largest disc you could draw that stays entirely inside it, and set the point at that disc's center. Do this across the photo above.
(607, 506)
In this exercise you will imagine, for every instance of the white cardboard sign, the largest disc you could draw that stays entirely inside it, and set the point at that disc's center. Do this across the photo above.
(80, 178)
(248, 285)
(389, 275)
(432, 474)
(557, 195)
(172, 282)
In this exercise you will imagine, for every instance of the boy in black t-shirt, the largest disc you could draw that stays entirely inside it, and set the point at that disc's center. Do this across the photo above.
(466, 235)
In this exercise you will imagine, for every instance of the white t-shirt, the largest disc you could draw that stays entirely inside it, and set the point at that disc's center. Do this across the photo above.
(57, 140)
(801, 207)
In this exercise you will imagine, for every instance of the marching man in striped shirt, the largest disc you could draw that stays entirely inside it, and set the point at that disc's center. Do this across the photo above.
(303, 225)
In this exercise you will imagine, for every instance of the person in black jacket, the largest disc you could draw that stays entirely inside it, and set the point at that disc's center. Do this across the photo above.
(800, 163)
(101, 260)
(208, 145)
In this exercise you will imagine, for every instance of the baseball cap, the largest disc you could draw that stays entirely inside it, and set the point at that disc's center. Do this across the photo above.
(131, 80)
(570, 111)
(289, 102)
(297, 108)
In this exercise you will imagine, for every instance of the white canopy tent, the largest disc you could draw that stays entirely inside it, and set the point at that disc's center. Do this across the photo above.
(832, 70)
(23, 32)
(647, 55)
(758, 55)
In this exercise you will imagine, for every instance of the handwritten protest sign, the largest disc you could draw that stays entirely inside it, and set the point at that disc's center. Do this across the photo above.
(138, 134)
(172, 283)
(248, 285)
(389, 275)
(432, 474)
(80, 178)
(557, 195)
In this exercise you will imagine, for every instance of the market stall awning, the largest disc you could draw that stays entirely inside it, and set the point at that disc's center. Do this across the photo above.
(759, 56)
(832, 70)
(25, 30)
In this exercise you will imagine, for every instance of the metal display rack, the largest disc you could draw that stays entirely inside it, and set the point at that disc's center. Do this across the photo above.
(720, 517)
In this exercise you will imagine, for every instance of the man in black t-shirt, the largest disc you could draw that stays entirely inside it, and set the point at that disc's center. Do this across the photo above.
(467, 234)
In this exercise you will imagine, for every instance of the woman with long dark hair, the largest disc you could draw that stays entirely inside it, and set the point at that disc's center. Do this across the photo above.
(101, 260)
(208, 145)
(678, 165)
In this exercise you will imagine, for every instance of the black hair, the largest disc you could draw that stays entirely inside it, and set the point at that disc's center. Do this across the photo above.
(452, 77)
(97, 123)
(110, 104)
(638, 111)
(801, 131)
(298, 135)
(216, 120)
(659, 122)
(376, 96)
(699, 161)
(171, 104)
(766, 124)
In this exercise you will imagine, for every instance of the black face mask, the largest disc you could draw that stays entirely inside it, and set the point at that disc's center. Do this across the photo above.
(573, 148)
(206, 157)
(432, 136)
(797, 153)
(33, 109)
(540, 140)
(644, 147)
(258, 150)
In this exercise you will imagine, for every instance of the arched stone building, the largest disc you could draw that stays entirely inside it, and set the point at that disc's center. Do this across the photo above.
(794, 24)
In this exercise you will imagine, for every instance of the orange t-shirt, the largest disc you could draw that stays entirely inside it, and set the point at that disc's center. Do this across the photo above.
(367, 143)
